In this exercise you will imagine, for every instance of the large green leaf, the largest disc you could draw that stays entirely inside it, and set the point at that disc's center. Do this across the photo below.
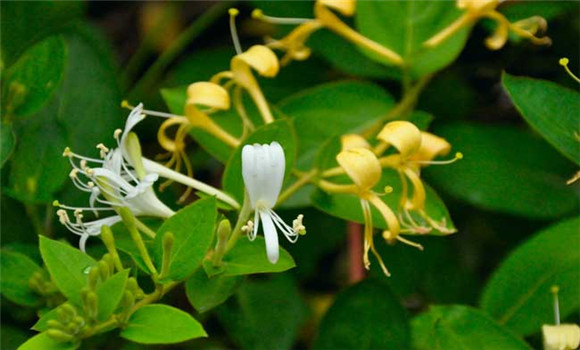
(28, 22)
(364, 316)
(204, 293)
(15, 272)
(264, 314)
(45, 342)
(518, 293)
(347, 206)
(67, 266)
(249, 257)
(193, 229)
(281, 131)
(161, 324)
(333, 109)
(31, 81)
(505, 169)
(550, 109)
(462, 328)
(403, 26)
(109, 294)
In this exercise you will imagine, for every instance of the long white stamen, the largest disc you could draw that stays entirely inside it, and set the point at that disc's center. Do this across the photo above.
(161, 114)
(233, 30)
(258, 14)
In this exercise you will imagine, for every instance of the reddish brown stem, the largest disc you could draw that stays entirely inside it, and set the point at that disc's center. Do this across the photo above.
(356, 270)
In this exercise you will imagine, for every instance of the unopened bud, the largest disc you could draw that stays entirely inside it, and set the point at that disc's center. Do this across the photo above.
(54, 324)
(90, 304)
(66, 312)
(94, 276)
(104, 270)
(59, 335)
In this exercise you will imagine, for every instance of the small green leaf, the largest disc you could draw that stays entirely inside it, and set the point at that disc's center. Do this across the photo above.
(193, 229)
(280, 131)
(16, 271)
(364, 316)
(459, 327)
(249, 257)
(7, 141)
(109, 294)
(33, 79)
(204, 293)
(161, 324)
(41, 325)
(404, 27)
(333, 109)
(505, 169)
(67, 267)
(518, 293)
(264, 314)
(550, 109)
(45, 342)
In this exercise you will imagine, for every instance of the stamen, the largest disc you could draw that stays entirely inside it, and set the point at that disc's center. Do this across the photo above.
(73, 173)
(554, 290)
(457, 157)
(233, 30)
(104, 150)
(411, 243)
(125, 104)
(258, 14)
(67, 152)
(161, 114)
(564, 63)
(117, 133)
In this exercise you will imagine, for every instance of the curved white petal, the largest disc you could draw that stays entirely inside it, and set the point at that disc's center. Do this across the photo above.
(276, 166)
(134, 118)
(250, 172)
(271, 237)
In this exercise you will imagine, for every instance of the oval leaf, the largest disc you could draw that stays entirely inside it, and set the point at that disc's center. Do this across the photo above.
(161, 324)
(16, 270)
(461, 327)
(193, 229)
(518, 294)
(109, 294)
(45, 342)
(204, 293)
(364, 316)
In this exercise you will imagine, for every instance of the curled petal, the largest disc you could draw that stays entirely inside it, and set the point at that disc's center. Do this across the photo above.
(500, 35)
(431, 147)
(271, 237)
(418, 199)
(208, 94)
(350, 141)
(362, 166)
(403, 135)
(260, 58)
(345, 7)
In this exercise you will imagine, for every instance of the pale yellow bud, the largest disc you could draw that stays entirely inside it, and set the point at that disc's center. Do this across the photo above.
(403, 135)
(362, 166)
(561, 337)
(260, 58)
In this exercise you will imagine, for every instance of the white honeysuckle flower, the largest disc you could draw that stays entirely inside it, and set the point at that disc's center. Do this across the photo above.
(263, 169)
(118, 179)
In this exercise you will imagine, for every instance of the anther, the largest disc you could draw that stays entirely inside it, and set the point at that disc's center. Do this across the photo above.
(73, 173)
(67, 152)
(117, 133)
(233, 30)
(125, 104)
(104, 150)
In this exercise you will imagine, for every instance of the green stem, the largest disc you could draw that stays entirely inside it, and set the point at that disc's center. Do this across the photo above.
(196, 29)
(130, 223)
(303, 179)
(144, 228)
(242, 220)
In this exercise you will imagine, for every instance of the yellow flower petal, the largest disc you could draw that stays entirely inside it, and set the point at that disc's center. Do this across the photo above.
(260, 58)
(209, 95)
(561, 337)
(431, 147)
(362, 166)
(350, 141)
(345, 7)
(477, 5)
(500, 35)
(403, 135)
(418, 199)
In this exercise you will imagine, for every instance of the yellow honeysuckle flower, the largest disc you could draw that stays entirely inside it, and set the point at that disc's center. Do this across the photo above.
(294, 43)
(349, 141)
(362, 166)
(404, 136)
(477, 9)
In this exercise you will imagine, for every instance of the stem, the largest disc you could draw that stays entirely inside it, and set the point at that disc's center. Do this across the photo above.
(242, 219)
(188, 181)
(302, 180)
(356, 271)
(130, 223)
(144, 228)
(195, 30)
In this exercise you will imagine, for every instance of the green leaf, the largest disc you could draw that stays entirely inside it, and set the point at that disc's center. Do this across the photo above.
(42, 324)
(109, 294)
(6, 143)
(518, 293)
(249, 257)
(45, 342)
(161, 324)
(34, 78)
(281, 131)
(364, 316)
(461, 327)
(67, 267)
(348, 207)
(264, 314)
(193, 229)
(29, 22)
(550, 109)
(12, 336)
(404, 26)
(16, 272)
(333, 109)
(505, 169)
(204, 293)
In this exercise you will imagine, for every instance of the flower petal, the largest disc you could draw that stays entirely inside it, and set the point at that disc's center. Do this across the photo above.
(362, 166)
(271, 237)
(403, 135)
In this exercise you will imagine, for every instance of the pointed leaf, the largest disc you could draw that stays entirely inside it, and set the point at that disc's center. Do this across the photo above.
(109, 294)
(45, 342)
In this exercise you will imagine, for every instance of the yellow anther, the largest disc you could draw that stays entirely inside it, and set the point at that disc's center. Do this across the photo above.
(55, 203)
(233, 12)
(388, 189)
(73, 173)
(91, 184)
(458, 155)
(564, 61)
(117, 133)
(554, 289)
(257, 14)
(125, 104)
(67, 152)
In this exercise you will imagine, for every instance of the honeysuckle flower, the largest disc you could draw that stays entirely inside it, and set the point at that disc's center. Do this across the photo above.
(416, 149)
(117, 179)
(263, 168)
(560, 336)
(294, 43)
(477, 9)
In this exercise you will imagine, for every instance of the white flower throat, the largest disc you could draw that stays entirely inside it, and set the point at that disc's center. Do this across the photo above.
(263, 168)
